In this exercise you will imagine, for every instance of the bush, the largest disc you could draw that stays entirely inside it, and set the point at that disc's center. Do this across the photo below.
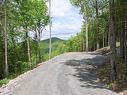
(4, 81)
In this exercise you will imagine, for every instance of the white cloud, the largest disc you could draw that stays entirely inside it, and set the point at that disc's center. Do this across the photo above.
(61, 27)
(61, 8)
(66, 20)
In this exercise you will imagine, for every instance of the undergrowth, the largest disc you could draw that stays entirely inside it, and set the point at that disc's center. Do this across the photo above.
(104, 74)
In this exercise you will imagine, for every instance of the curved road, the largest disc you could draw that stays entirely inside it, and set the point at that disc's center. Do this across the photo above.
(67, 74)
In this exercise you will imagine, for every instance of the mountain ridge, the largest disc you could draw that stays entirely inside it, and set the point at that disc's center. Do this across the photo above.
(57, 47)
(53, 39)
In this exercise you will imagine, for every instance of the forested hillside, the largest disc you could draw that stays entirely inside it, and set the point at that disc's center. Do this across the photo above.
(58, 47)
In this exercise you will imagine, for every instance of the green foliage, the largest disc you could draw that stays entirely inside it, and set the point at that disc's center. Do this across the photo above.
(95, 15)
(26, 17)
(58, 47)
(4, 81)
(75, 43)
(23, 18)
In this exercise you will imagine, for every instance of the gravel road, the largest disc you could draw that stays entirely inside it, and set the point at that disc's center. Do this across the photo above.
(66, 74)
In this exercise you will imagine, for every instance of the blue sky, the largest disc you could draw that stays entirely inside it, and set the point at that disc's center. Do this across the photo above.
(66, 20)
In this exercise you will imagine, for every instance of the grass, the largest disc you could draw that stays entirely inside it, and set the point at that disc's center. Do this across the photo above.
(7, 79)
(4, 81)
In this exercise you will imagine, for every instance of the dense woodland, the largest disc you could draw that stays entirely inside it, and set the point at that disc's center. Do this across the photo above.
(104, 25)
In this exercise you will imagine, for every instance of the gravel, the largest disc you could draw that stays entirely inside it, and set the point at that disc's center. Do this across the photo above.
(66, 74)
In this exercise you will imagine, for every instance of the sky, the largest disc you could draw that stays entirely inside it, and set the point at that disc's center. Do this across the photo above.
(66, 20)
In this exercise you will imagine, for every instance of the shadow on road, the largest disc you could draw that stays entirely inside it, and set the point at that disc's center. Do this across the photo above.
(85, 71)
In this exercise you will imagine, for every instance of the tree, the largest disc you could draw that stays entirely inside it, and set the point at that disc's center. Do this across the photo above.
(32, 15)
(5, 40)
(112, 39)
(84, 8)
(41, 20)
(91, 11)
(19, 19)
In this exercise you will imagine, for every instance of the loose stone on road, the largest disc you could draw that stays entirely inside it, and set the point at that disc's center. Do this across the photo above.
(66, 74)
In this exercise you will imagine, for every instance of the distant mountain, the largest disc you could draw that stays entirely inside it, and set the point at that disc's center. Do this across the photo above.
(54, 39)
(57, 47)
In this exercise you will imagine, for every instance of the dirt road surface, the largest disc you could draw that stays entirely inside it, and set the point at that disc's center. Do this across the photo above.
(66, 74)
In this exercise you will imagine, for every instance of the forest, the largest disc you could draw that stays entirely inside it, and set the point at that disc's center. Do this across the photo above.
(104, 25)
(18, 50)
(104, 29)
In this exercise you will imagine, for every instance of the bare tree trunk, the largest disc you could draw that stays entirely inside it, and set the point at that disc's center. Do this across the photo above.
(39, 40)
(87, 42)
(112, 41)
(107, 36)
(36, 42)
(113, 50)
(94, 45)
(5, 42)
(28, 48)
(85, 17)
(3, 45)
(103, 39)
(104, 34)
(50, 30)
(83, 39)
(83, 42)
(97, 21)
(2, 57)
(122, 41)
(125, 43)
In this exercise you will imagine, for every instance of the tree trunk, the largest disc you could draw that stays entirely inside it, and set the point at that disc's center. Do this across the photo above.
(39, 40)
(112, 41)
(103, 39)
(85, 17)
(2, 59)
(87, 42)
(97, 23)
(36, 42)
(122, 41)
(28, 48)
(83, 41)
(5, 43)
(125, 43)
(107, 36)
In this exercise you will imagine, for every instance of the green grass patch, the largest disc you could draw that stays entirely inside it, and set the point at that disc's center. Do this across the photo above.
(4, 81)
